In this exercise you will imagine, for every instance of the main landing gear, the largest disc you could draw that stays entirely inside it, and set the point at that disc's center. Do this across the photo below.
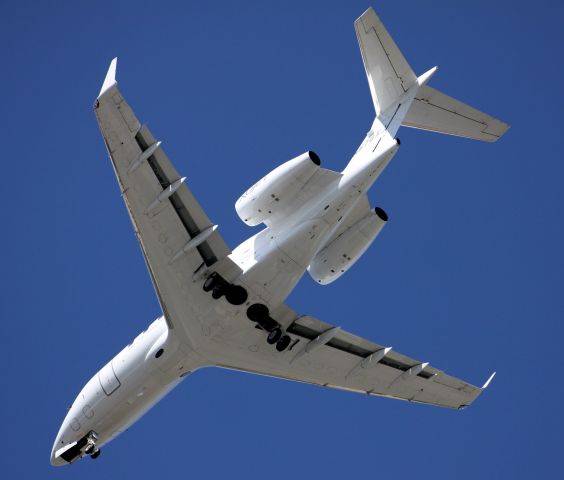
(257, 312)
(234, 294)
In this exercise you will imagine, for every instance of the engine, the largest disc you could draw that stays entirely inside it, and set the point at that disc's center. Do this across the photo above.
(339, 255)
(276, 190)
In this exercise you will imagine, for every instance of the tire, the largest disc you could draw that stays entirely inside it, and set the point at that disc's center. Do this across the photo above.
(257, 311)
(210, 282)
(218, 291)
(283, 343)
(96, 454)
(236, 295)
(274, 336)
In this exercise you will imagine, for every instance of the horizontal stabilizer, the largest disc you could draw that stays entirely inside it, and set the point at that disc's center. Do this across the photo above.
(435, 111)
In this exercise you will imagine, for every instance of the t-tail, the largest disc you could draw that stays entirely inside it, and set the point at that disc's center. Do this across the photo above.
(401, 97)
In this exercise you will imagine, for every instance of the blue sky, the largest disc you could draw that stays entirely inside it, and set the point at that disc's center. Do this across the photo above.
(467, 275)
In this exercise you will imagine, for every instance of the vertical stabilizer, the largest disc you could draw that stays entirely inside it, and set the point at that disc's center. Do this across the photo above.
(389, 74)
(390, 77)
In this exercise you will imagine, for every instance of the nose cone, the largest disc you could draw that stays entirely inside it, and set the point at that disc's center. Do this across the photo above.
(57, 461)
(74, 432)
(58, 446)
(62, 442)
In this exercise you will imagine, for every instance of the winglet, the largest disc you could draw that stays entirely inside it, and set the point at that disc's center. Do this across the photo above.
(110, 79)
(488, 381)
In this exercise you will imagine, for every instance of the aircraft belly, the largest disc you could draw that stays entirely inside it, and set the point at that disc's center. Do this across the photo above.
(273, 277)
(279, 259)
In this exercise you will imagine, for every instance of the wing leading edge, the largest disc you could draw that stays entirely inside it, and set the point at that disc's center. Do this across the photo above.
(176, 236)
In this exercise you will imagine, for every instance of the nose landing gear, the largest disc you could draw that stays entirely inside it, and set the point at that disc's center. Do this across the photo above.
(90, 447)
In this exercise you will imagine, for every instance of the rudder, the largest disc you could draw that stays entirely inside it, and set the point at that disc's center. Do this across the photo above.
(389, 74)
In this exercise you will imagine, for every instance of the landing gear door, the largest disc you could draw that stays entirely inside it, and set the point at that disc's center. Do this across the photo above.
(108, 379)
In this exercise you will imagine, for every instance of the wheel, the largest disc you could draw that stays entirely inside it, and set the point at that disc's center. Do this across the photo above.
(236, 295)
(283, 343)
(218, 291)
(257, 311)
(274, 336)
(210, 282)
(96, 454)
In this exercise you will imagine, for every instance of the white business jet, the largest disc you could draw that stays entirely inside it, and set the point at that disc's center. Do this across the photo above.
(226, 308)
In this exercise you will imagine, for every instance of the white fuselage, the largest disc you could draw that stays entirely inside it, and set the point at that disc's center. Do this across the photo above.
(133, 381)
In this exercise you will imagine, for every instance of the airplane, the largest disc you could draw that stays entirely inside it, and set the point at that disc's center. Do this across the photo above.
(226, 308)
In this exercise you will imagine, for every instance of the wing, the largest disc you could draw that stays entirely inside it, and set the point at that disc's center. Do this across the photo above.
(177, 238)
(328, 356)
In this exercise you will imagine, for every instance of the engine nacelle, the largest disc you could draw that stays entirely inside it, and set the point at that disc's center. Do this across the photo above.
(276, 190)
(341, 254)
